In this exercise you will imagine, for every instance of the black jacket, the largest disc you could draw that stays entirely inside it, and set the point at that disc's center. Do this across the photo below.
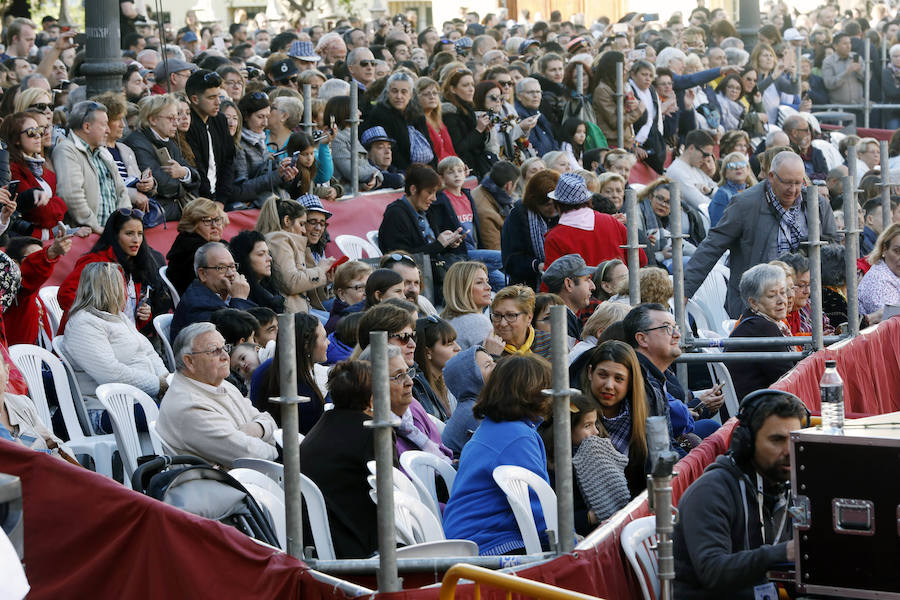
(223, 150)
(399, 230)
(198, 304)
(181, 260)
(145, 143)
(394, 123)
(519, 261)
(719, 550)
(554, 97)
(750, 376)
(444, 201)
(334, 455)
(470, 145)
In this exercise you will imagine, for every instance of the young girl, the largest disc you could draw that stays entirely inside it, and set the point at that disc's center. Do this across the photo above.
(736, 176)
(436, 344)
(314, 165)
(574, 132)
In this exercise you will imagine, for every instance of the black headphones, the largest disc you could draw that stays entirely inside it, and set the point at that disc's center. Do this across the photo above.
(742, 438)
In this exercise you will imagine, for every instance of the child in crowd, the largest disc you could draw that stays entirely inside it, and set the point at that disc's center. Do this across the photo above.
(314, 165)
(267, 332)
(574, 133)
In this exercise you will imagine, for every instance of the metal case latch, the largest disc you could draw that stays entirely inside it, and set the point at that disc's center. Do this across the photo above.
(853, 517)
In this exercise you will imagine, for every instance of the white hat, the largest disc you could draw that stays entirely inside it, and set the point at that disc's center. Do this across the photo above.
(792, 35)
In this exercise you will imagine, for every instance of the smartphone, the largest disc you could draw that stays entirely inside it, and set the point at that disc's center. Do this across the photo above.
(338, 263)
(219, 43)
(13, 187)
(294, 158)
(650, 17)
(79, 39)
(131, 182)
(620, 28)
(163, 156)
(146, 173)
(332, 123)
(62, 230)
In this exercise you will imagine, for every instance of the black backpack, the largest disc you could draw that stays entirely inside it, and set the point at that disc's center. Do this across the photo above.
(193, 485)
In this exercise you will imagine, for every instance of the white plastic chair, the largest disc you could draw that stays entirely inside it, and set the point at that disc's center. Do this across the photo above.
(638, 540)
(720, 373)
(119, 399)
(163, 324)
(422, 469)
(29, 359)
(354, 247)
(279, 437)
(438, 424)
(318, 518)
(163, 272)
(401, 481)
(372, 236)
(248, 476)
(269, 468)
(274, 506)
(156, 439)
(51, 303)
(515, 483)
(77, 397)
(710, 297)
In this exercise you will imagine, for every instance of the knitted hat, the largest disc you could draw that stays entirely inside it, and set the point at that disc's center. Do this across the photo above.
(570, 189)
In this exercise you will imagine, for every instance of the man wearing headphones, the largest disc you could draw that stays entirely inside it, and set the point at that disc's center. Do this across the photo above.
(733, 524)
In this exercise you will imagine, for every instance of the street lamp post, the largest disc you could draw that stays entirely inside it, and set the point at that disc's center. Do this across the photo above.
(103, 66)
(748, 23)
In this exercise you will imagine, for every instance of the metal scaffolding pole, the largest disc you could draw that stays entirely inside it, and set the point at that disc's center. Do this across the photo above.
(307, 110)
(662, 461)
(851, 164)
(867, 100)
(851, 251)
(886, 216)
(562, 429)
(579, 85)
(634, 248)
(620, 104)
(677, 237)
(354, 141)
(290, 423)
(708, 357)
(815, 265)
(382, 421)
(758, 342)
(797, 79)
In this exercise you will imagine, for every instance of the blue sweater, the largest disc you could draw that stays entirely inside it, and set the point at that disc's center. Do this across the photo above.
(478, 509)
(721, 199)
(463, 378)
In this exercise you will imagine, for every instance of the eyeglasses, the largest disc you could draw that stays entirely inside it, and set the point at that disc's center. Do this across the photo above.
(404, 338)
(292, 79)
(212, 221)
(398, 378)
(505, 83)
(131, 212)
(787, 183)
(662, 199)
(508, 317)
(801, 286)
(356, 288)
(317, 223)
(224, 349)
(222, 268)
(670, 329)
(171, 118)
(234, 83)
(492, 98)
(33, 132)
(430, 94)
(736, 165)
(367, 63)
(42, 106)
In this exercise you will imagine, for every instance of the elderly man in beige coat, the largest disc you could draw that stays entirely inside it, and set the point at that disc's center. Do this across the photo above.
(204, 415)
(88, 179)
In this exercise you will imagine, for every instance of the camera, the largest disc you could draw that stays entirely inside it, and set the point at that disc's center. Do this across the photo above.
(494, 117)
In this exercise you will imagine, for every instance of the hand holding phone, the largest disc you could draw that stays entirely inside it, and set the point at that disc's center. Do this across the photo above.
(338, 263)
(13, 188)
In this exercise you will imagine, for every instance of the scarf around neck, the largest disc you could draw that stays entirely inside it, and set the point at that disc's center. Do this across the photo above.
(537, 229)
(35, 164)
(525, 348)
(500, 195)
(408, 430)
(253, 138)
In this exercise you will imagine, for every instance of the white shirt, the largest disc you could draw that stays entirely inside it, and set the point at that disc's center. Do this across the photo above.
(211, 169)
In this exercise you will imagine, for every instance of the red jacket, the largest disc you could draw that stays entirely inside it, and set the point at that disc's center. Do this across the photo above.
(595, 246)
(69, 286)
(42, 217)
(24, 318)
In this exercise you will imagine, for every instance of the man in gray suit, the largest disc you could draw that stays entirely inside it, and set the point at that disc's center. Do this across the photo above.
(759, 225)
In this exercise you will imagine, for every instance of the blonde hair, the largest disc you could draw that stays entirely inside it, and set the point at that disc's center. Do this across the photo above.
(605, 315)
(522, 295)
(197, 209)
(101, 287)
(651, 187)
(292, 107)
(458, 288)
(448, 163)
(604, 178)
(883, 241)
(29, 97)
(153, 105)
(655, 285)
(732, 157)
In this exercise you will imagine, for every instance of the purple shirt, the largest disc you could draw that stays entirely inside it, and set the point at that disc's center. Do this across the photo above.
(878, 287)
(425, 424)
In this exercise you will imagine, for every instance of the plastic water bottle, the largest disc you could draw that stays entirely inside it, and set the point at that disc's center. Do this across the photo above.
(832, 389)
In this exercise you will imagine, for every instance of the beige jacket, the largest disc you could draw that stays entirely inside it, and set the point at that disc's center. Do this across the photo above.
(28, 429)
(205, 421)
(490, 223)
(78, 185)
(300, 284)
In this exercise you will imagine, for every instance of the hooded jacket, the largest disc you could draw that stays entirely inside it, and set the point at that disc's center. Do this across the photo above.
(718, 544)
(463, 379)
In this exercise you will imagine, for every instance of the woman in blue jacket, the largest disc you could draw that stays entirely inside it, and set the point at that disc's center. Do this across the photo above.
(511, 406)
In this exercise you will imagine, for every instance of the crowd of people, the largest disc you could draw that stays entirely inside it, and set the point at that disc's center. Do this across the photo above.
(210, 121)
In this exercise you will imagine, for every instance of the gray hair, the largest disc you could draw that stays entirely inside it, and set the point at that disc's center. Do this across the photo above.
(793, 122)
(645, 65)
(770, 137)
(520, 85)
(146, 52)
(782, 158)
(292, 107)
(82, 113)
(756, 280)
(392, 352)
(731, 42)
(395, 77)
(184, 341)
(153, 105)
(28, 81)
(736, 56)
(354, 55)
(667, 55)
(202, 251)
(333, 88)
(895, 49)
(173, 51)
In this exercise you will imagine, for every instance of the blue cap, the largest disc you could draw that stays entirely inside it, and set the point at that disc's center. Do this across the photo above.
(312, 202)
(375, 134)
(188, 37)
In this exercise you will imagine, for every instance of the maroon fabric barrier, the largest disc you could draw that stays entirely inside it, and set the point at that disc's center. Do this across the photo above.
(87, 536)
(869, 365)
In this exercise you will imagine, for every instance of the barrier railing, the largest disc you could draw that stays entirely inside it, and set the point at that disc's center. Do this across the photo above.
(510, 583)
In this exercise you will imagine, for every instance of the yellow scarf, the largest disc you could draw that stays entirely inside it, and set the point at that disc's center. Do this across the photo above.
(524, 348)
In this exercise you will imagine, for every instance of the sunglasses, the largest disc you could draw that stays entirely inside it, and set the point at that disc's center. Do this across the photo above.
(33, 132)
(367, 63)
(213, 77)
(402, 258)
(404, 338)
(736, 165)
(259, 96)
(505, 83)
(131, 212)
(42, 106)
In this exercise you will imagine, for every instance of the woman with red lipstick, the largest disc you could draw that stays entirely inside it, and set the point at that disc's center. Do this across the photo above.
(122, 242)
(613, 378)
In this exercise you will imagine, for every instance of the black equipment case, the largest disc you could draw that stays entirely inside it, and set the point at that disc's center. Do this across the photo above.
(847, 509)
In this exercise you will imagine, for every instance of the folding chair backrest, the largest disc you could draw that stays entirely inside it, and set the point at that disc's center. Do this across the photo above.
(262, 480)
(318, 518)
(424, 525)
(51, 303)
(372, 236)
(638, 540)
(720, 373)
(77, 397)
(355, 247)
(270, 468)
(119, 399)
(30, 359)
(163, 324)
(163, 273)
(423, 468)
(515, 482)
(401, 481)
(275, 507)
